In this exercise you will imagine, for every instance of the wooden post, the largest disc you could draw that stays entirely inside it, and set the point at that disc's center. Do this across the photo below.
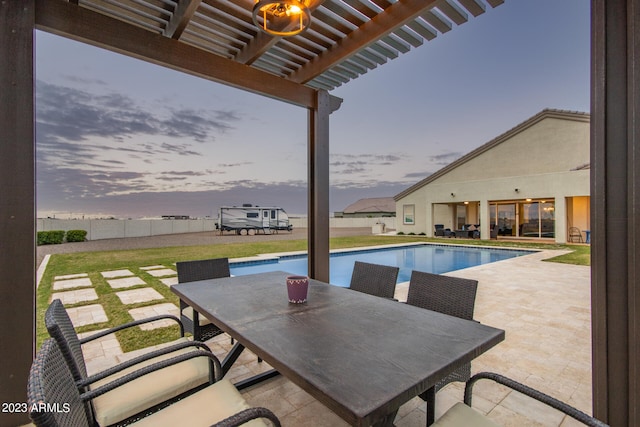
(615, 208)
(17, 204)
(318, 181)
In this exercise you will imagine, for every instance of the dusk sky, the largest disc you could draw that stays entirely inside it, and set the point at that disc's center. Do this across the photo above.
(120, 137)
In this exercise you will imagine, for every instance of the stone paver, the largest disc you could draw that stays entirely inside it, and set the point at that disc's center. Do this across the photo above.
(152, 267)
(73, 297)
(101, 353)
(135, 296)
(161, 273)
(71, 276)
(126, 282)
(72, 283)
(87, 315)
(155, 310)
(170, 281)
(116, 273)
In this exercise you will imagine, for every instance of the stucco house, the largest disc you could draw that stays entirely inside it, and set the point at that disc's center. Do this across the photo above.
(530, 182)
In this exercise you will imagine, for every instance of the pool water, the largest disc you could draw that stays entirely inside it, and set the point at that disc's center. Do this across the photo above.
(430, 258)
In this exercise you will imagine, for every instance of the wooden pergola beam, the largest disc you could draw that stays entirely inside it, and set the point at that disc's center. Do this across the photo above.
(78, 23)
(181, 17)
(383, 24)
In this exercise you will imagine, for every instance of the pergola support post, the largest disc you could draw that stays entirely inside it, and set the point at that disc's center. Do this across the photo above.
(17, 204)
(615, 210)
(318, 182)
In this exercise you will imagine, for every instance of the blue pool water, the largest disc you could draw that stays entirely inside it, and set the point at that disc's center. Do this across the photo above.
(430, 258)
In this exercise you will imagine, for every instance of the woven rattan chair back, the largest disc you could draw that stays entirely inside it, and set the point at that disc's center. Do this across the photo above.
(449, 295)
(191, 271)
(53, 398)
(374, 279)
(61, 329)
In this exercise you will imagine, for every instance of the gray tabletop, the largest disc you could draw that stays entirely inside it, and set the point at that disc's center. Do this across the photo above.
(361, 355)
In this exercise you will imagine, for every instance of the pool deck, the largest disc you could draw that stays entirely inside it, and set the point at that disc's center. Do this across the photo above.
(544, 307)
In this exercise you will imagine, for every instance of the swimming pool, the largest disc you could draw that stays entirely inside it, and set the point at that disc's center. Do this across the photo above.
(423, 257)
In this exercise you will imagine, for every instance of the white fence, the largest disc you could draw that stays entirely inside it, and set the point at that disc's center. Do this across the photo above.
(117, 228)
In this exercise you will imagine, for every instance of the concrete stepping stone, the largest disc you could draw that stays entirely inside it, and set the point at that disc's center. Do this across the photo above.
(87, 315)
(116, 273)
(152, 267)
(170, 281)
(163, 272)
(82, 282)
(71, 276)
(154, 310)
(125, 282)
(101, 353)
(73, 297)
(102, 347)
(135, 296)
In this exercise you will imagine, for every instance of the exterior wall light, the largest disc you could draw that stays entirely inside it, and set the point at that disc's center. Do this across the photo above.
(517, 190)
(453, 195)
(281, 17)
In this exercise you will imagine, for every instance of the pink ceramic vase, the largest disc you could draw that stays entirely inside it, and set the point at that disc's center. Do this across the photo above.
(297, 287)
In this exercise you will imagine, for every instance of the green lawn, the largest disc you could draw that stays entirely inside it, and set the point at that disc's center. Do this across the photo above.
(93, 263)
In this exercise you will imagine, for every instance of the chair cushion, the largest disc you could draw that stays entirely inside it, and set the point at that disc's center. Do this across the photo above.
(188, 312)
(151, 389)
(204, 408)
(460, 415)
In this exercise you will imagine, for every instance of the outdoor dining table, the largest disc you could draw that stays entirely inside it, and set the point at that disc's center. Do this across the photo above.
(362, 356)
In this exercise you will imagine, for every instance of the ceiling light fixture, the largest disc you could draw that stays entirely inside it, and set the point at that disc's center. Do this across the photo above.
(281, 17)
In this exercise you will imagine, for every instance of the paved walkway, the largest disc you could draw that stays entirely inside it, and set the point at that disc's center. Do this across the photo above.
(544, 308)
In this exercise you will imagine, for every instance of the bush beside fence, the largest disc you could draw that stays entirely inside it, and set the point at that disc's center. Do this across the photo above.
(56, 237)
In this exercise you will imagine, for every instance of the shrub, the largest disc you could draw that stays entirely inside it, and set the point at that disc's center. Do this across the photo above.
(423, 234)
(53, 237)
(76, 235)
(400, 233)
(412, 234)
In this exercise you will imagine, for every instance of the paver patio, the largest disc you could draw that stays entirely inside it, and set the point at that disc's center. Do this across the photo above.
(544, 308)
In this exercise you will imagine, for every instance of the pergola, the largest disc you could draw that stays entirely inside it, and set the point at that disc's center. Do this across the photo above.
(217, 40)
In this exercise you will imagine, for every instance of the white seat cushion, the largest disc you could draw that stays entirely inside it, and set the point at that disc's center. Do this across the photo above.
(188, 312)
(206, 407)
(151, 389)
(460, 415)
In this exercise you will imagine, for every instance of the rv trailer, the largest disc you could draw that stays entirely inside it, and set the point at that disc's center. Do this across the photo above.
(248, 219)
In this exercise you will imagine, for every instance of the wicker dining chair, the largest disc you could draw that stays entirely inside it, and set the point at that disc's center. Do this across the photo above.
(54, 400)
(461, 414)
(192, 271)
(374, 279)
(448, 295)
(151, 391)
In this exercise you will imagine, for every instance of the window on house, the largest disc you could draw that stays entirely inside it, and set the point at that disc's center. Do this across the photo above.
(409, 214)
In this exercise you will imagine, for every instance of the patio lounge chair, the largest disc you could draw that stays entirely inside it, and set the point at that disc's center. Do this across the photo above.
(441, 231)
(575, 235)
(191, 271)
(374, 279)
(449, 295)
(55, 401)
(150, 391)
(461, 415)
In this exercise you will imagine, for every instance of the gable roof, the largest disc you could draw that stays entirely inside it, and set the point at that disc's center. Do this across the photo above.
(544, 114)
(375, 204)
